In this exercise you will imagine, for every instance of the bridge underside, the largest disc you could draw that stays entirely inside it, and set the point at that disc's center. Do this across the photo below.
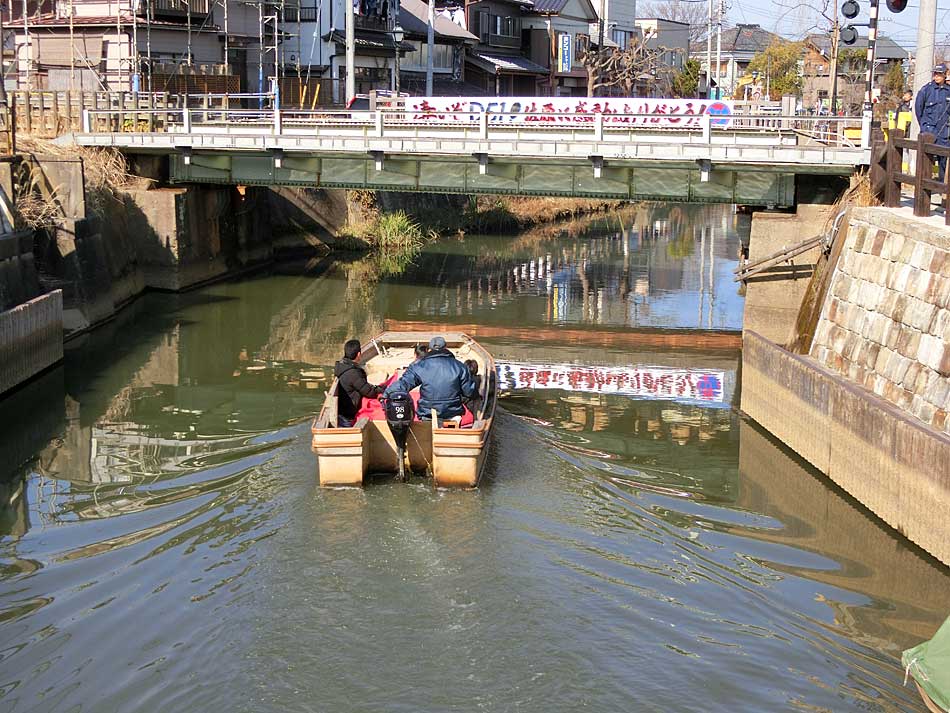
(666, 181)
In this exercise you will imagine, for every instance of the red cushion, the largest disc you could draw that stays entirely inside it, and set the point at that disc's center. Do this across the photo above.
(373, 410)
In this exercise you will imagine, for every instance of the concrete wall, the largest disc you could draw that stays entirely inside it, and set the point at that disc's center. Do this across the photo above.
(892, 463)
(773, 297)
(31, 339)
(18, 280)
(886, 322)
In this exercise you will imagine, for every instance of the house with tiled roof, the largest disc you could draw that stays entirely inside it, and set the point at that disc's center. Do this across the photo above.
(851, 86)
(739, 45)
(557, 32)
(497, 64)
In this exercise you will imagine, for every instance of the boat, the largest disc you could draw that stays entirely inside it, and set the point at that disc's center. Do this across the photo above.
(928, 664)
(453, 453)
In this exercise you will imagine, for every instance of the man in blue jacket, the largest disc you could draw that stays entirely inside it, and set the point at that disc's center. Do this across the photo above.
(443, 379)
(933, 110)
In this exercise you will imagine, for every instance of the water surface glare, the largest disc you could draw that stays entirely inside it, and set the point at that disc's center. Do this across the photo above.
(164, 545)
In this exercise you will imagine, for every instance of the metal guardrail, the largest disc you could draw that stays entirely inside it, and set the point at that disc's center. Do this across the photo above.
(705, 128)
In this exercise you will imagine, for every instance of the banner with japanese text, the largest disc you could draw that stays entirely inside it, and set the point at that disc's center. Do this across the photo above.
(627, 111)
(564, 53)
(651, 382)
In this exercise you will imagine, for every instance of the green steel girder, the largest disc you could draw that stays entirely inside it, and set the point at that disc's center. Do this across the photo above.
(632, 181)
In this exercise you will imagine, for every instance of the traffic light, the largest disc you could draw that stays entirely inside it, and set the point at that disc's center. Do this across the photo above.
(850, 9)
(849, 35)
(896, 5)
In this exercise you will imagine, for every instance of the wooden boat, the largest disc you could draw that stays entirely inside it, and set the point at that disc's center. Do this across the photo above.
(454, 455)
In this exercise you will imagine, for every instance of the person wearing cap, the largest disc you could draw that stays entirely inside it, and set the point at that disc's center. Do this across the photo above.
(352, 384)
(933, 111)
(443, 380)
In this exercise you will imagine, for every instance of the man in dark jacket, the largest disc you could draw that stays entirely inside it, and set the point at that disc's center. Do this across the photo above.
(933, 111)
(443, 379)
(353, 385)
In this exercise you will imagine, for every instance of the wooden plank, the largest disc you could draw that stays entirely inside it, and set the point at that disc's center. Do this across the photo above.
(925, 168)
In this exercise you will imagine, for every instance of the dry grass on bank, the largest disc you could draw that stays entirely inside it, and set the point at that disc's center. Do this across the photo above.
(105, 173)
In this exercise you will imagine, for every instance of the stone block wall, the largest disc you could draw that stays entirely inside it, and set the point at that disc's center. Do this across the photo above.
(885, 324)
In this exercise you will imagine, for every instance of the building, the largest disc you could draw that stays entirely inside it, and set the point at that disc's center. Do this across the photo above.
(816, 70)
(556, 33)
(669, 36)
(497, 64)
(163, 45)
(739, 45)
(450, 43)
(620, 25)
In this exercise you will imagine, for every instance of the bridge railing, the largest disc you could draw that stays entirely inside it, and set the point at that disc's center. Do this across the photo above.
(840, 132)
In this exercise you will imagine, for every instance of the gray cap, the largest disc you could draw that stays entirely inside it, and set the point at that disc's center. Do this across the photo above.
(940, 69)
(437, 343)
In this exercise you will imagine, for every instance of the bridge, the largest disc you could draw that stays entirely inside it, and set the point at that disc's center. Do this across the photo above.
(742, 158)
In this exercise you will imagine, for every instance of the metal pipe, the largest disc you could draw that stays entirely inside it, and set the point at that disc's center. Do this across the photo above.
(923, 63)
(709, 52)
(719, 50)
(26, 46)
(430, 42)
(350, 52)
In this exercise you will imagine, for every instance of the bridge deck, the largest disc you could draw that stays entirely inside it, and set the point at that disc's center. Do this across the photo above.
(751, 160)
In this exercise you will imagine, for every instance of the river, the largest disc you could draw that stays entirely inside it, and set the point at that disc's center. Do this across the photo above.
(165, 545)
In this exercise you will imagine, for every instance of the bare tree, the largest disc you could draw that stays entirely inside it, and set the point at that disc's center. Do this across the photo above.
(692, 13)
(635, 67)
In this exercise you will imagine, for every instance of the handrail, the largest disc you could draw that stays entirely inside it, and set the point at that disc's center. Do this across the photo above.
(927, 151)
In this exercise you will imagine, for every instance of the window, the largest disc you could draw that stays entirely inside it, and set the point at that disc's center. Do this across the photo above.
(581, 44)
(417, 59)
(622, 38)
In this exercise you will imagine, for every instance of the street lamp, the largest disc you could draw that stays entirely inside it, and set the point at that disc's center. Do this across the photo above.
(398, 35)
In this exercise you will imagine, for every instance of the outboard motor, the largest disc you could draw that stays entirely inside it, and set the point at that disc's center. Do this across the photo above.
(399, 413)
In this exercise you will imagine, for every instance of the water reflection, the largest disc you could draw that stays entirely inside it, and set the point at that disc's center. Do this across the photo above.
(655, 266)
(160, 508)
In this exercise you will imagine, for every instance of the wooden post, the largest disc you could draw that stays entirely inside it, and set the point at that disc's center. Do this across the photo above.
(925, 172)
(29, 112)
(56, 129)
(878, 174)
(946, 192)
(894, 158)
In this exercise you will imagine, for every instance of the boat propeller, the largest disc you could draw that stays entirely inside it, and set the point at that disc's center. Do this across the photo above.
(399, 413)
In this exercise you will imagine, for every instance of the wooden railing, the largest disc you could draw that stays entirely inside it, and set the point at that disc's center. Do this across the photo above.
(923, 181)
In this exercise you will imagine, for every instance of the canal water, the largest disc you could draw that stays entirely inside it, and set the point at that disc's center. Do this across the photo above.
(635, 544)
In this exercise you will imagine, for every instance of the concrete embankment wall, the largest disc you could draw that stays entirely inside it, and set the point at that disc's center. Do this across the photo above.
(886, 322)
(868, 405)
(31, 338)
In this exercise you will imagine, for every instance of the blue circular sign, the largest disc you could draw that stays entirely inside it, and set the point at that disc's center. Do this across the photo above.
(719, 109)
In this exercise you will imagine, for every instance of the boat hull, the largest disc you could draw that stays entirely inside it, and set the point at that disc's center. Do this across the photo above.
(455, 457)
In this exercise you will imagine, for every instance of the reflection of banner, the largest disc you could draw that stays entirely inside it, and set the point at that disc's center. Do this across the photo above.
(652, 382)
(659, 113)
(564, 53)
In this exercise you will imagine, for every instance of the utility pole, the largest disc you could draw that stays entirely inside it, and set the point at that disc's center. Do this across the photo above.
(72, 49)
(351, 52)
(709, 33)
(722, 9)
(26, 43)
(430, 41)
(923, 64)
(833, 71)
(600, 24)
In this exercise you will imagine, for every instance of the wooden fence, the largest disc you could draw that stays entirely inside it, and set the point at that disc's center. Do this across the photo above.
(923, 181)
(48, 114)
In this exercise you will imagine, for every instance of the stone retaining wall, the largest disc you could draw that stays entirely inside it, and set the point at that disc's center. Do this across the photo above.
(31, 339)
(892, 463)
(886, 322)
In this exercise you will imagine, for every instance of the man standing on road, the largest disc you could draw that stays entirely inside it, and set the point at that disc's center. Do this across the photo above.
(933, 110)
(443, 379)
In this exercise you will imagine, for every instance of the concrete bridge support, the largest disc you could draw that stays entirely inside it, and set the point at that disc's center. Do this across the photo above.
(774, 296)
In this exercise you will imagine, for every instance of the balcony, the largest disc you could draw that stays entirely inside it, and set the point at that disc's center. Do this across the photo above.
(374, 23)
(174, 9)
